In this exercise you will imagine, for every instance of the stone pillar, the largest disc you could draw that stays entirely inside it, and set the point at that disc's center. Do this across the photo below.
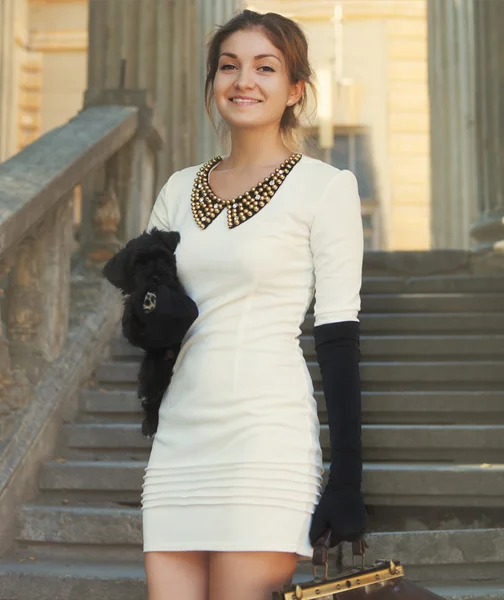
(488, 228)
(163, 45)
(452, 93)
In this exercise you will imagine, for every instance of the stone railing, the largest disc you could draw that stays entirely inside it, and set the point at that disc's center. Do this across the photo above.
(50, 240)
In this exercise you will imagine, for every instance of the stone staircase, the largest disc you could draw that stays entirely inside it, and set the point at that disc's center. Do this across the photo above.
(433, 438)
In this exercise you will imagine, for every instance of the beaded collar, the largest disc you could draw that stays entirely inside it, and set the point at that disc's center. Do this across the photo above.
(206, 206)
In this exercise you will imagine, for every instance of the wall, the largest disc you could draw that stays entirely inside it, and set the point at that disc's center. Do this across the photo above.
(42, 68)
(58, 31)
(19, 79)
(408, 130)
(400, 124)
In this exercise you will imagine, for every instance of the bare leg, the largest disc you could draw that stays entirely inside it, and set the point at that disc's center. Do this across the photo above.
(177, 575)
(249, 575)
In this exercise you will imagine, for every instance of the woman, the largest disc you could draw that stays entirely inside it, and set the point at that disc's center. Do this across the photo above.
(231, 495)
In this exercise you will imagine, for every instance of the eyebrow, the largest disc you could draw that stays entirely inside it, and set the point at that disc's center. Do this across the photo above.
(231, 55)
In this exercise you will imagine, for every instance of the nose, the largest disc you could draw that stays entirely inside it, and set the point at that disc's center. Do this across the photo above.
(245, 79)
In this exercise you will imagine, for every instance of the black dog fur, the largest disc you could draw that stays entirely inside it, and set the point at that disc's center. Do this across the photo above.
(145, 265)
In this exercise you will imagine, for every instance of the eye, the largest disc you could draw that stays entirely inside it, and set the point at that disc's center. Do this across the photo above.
(225, 67)
(269, 68)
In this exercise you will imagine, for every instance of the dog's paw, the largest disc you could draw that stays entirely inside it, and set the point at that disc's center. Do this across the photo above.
(148, 429)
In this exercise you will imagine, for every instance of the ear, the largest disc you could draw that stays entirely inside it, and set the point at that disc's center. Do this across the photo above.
(297, 90)
(170, 239)
(115, 269)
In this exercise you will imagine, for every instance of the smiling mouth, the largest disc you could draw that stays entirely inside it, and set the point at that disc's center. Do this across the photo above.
(244, 101)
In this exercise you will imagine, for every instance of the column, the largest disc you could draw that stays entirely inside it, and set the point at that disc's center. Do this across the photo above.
(163, 44)
(451, 39)
(488, 228)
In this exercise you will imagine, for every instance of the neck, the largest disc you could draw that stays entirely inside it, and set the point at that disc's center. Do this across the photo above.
(256, 148)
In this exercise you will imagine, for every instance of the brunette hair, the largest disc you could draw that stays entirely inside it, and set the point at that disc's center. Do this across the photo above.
(286, 35)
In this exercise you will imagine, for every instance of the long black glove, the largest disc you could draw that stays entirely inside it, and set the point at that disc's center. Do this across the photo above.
(341, 507)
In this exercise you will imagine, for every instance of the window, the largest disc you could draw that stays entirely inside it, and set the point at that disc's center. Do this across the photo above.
(352, 150)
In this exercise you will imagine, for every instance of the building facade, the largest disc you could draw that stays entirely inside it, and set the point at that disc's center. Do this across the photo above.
(371, 61)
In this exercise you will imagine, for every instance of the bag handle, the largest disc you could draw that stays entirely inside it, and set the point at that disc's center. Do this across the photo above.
(321, 549)
(321, 552)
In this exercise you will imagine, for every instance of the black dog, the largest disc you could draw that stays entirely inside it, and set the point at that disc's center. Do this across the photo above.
(157, 312)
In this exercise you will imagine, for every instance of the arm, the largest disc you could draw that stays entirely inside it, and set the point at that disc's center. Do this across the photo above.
(172, 312)
(337, 246)
(159, 214)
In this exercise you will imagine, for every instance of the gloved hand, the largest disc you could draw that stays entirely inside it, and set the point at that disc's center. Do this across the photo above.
(343, 512)
(341, 507)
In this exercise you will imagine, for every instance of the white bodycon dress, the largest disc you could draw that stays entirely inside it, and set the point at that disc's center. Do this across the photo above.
(236, 463)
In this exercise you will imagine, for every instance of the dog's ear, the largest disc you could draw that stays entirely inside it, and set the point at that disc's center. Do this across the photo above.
(169, 238)
(116, 269)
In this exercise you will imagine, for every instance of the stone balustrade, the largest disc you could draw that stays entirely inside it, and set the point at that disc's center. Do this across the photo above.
(107, 152)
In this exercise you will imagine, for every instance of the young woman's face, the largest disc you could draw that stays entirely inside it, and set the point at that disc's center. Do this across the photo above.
(251, 86)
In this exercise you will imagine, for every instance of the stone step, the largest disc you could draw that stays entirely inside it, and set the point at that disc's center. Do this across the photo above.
(436, 443)
(386, 347)
(408, 303)
(24, 579)
(426, 263)
(416, 375)
(478, 407)
(430, 347)
(384, 484)
(437, 284)
(427, 555)
(475, 443)
(468, 591)
(398, 297)
(425, 323)
(80, 525)
(443, 556)
(42, 579)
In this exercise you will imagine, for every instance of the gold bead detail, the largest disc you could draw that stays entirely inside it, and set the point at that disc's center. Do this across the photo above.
(206, 206)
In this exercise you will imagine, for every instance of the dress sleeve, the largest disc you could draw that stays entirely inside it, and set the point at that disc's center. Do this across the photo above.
(159, 216)
(336, 240)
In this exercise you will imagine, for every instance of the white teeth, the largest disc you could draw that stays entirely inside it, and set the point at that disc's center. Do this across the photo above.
(243, 101)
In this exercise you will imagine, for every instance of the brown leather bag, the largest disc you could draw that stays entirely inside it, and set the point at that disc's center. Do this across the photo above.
(384, 580)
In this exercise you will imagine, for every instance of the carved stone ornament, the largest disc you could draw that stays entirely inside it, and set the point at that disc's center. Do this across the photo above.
(106, 218)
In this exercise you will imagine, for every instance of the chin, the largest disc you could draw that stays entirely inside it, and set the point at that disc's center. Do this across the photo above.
(248, 120)
(245, 121)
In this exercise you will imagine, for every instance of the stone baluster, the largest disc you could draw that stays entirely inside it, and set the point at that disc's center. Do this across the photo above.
(15, 388)
(37, 299)
(5, 363)
(24, 307)
(101, 216)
